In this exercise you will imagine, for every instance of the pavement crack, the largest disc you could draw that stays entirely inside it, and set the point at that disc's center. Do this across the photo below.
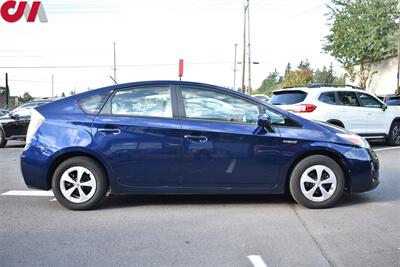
(319, 246)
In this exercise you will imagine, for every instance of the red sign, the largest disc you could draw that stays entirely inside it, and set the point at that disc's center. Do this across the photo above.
(181, 68)
(12, 11)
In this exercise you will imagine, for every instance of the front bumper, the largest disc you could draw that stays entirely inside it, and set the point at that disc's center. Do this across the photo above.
(363, 165)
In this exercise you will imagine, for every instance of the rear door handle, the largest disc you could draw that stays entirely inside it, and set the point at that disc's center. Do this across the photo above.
(195, 138)
(110, 131)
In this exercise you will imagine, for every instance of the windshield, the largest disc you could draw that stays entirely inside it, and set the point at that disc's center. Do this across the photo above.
(288, 97)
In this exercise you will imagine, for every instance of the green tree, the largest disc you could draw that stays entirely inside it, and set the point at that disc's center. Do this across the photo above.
(325, 75)
(271, 83)
(72, 92)
(26, 97)
(302, 76)
(361, 32)
(63, 94)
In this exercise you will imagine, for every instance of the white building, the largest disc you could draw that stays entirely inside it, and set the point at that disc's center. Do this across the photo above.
(384, 77)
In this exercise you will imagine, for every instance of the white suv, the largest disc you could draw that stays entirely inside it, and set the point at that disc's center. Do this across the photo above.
(344, 106)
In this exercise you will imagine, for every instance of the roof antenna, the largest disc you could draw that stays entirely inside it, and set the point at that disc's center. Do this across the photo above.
(113, 80)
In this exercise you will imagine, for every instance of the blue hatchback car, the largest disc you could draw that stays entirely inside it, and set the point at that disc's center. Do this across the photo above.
(170, 137)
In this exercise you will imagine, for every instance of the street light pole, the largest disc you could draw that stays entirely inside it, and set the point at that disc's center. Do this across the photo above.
(115, 63)
(248, 30)
(7, 91)
(398, 62)
(244, 48)
(52, 86)
(235, 68)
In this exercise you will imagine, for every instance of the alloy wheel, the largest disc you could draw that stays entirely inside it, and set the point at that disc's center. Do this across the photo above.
(78, 184)
(318, 183)
(396, 135)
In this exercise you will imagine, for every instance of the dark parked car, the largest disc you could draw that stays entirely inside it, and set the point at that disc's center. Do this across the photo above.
(393, 101)
(14, 125)
(168, 137)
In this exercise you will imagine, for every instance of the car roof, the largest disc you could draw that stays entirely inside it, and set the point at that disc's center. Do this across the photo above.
(320, 89)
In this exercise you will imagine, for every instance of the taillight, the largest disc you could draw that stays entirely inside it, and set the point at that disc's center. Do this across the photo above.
(304, 108)
(36, 121)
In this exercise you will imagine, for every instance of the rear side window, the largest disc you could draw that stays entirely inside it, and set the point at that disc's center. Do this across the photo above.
(328, 98)
(146, 102)
(348, 99)
(393, 101)
(288, 97)
(93, 104)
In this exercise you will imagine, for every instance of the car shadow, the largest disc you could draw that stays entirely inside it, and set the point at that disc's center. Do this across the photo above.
(128, 201)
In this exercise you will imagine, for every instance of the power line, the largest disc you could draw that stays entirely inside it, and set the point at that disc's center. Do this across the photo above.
(109, 66)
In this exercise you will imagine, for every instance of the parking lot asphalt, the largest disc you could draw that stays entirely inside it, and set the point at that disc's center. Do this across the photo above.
(363, 230)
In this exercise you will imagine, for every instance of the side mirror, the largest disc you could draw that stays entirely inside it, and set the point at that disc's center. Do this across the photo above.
(265, 121)
(14, 116)
(384, 107)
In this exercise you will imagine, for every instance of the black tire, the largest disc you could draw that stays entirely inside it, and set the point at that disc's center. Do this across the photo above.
(302, 167)
(336, 123)
(99, 176)
(3, 141)
(394, 134)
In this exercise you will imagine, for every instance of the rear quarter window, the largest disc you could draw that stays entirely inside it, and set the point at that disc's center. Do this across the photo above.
(288, 97)
(93, 104)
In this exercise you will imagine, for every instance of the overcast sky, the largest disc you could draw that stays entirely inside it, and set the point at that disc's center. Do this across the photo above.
(151, 36)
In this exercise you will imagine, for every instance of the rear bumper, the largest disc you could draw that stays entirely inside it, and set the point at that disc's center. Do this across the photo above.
(34, 167)
(363, 169)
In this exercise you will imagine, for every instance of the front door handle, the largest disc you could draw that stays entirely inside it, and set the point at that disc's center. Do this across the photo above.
(110, 131)
(196, 138)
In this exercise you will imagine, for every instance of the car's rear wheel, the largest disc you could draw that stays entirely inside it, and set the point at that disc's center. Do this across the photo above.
(79, 183)
(3, 140)
(317, 182)
(394, 135)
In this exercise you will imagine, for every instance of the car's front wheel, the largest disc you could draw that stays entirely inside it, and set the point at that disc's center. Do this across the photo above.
(317, 182)
(394, 135)
(79, 183)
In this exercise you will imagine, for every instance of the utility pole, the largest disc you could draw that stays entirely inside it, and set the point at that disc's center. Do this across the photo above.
(398, 62)
(115, 63)
(244, 48)
(248, 30)
(7, 91)
(235, 68)
(52, 86)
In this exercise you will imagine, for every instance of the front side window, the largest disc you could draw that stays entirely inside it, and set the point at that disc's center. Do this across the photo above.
(210, 105)
(147, 102)
(328, 98)
(348, 99)
(369, 102)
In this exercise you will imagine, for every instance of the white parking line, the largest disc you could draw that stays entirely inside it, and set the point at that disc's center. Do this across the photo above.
(386, 148)
(29, 193)
(257, 261)
(231, 166)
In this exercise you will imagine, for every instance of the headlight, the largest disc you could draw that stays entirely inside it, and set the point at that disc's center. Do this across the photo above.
(355, 139)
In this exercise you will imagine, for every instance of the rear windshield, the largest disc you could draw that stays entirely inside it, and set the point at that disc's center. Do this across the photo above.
(393, 101)
(288, 97)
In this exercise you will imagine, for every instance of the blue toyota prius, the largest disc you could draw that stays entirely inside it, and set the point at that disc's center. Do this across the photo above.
(170, 137)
